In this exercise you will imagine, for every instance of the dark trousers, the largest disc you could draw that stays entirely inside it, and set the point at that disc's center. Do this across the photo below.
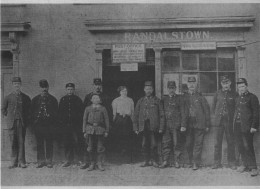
(227, 128)
(173, 140)
(96, 146)
(194, 142)
(44, 140)
(244, 142)
(17, 137)
(151, 141)
(73, 143)
(123, 131)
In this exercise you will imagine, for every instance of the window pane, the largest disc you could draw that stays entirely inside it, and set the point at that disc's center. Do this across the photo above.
(6, 59)
(106, 57)
(207, 61)
(226, 61)
(171, 61)
(150, 56)
(189, 61)
(232, 76)
(208, 82)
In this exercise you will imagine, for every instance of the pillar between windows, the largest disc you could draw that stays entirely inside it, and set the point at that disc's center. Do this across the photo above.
(158, 77)
(242, 65)
(99, 61)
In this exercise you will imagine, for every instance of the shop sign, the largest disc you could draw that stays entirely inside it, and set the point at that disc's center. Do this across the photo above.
(148, 37)
(126, 67)
(123, 53)
(198, 46)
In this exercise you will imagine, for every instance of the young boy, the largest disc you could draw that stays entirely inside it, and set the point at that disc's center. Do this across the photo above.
(95, 128)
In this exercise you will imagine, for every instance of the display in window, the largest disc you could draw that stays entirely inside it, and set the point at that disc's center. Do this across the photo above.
(171, 61)
(189, 61)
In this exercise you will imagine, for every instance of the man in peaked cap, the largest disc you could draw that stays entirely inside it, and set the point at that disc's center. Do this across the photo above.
(175, 126)
(149, 121)
(223, 108)
(45, 115)
(246, 123)
(16, 108)
(198, 122)
(70, 116)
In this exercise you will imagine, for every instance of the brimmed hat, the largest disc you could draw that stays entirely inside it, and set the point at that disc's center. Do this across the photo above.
(97, 81)
(224, 78)
(191, 79)
(16, 79)
(242, 80)
(43, 83)
(70, 85)
(171, 84)
(148, 83)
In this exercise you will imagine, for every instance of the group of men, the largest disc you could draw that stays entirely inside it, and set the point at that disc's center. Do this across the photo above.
(177, 122)
(174, 123)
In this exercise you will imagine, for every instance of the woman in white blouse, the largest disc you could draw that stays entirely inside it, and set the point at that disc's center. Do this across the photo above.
(123, 112)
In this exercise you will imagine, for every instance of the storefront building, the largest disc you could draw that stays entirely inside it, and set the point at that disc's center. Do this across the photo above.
(127, 45)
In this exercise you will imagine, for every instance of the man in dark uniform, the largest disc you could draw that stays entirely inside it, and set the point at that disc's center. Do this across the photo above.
(175, 126)
(149, 120)
(70, 115)
(246, 123)
(223, 108)
(44, 113)
(16, 107)
(198, 122)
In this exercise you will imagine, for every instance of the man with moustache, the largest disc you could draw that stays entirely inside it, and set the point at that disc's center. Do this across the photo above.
(198, 122)
(16, 107)
(149, 121)
(223, 108)
(44, 113)
(70, 115)
(246, 124)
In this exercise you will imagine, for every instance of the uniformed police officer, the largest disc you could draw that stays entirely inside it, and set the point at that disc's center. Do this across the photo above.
(223, 108)
(175, 126)
(198, 122)
(70, 115)
(16, 107)
(149, 121)
(246, 123)
(44, 114)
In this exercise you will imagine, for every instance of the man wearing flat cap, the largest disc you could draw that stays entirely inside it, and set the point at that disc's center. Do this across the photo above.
(16, 108)
(223, 108)
(45, 116)
(149, 121)
(246, 123)
(70, 116)
(198, 122)
(175, 126)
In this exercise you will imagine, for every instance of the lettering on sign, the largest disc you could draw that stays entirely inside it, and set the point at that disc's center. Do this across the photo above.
(126, 67)
(198, 46)
(166, 36)
(122, 53)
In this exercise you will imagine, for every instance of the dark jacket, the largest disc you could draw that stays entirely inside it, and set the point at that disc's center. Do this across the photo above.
(201, 109)
(174, 111)
(70, 110)
(248, 106)
(51, 108)
(8, 109)
(218, 104)
(155, 111)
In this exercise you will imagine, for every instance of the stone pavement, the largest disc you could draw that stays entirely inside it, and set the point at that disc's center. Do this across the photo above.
(125, 174)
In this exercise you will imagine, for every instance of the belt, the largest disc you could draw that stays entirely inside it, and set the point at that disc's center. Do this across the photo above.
(126, 115)
(94, 124)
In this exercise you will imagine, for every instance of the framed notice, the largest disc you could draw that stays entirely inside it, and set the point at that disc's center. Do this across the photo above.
(170, 77)
(128, 53)
(185, 78)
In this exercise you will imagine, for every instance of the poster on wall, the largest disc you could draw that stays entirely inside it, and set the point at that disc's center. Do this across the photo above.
(170, 77)
(128, 53)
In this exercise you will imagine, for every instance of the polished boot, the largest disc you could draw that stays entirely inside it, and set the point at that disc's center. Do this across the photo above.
(22, 165)
(100, 162)
(66, 164)
(40, 165)
(195, 166)
(164, 165)
(92, 166)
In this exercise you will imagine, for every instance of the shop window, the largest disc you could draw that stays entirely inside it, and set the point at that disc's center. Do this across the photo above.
(171, 61)
(150, 56)
(106, 57)
(6, 60)
(206, 66)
